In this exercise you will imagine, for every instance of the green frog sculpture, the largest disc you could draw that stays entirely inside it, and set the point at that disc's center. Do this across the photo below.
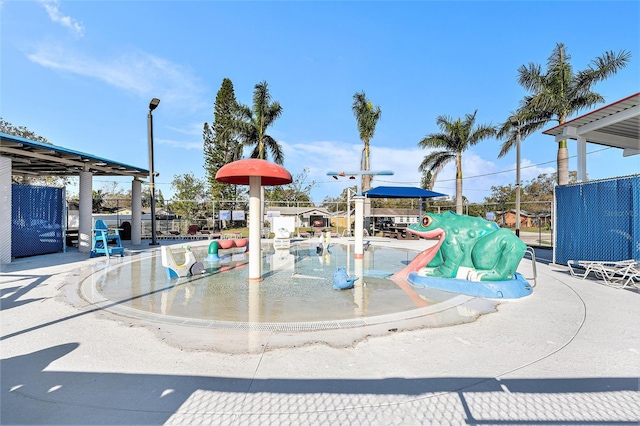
(469, 249)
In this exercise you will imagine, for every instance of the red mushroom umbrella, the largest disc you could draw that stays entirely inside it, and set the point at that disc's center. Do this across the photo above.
(255, 173)
(240, 171)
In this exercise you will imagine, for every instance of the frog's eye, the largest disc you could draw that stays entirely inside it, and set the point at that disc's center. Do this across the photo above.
(426, 221)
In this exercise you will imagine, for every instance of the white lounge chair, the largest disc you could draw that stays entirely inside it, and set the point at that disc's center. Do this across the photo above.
(620, 274)
(631, 277)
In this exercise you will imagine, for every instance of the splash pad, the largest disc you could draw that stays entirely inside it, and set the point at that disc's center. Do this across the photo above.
(295, 294)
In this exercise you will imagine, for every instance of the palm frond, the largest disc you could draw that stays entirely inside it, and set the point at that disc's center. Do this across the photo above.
(367, 116)
(273, 112)
(435, 161)
(558, 57)
(274, 149)
(606, 65)
(434, 140)
(530, 77)
(252, 123)
(585, 101)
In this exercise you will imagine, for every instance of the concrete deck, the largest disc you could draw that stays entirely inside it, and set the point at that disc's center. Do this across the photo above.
(568, 354)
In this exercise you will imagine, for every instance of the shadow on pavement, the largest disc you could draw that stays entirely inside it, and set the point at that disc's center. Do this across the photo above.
(31, 395)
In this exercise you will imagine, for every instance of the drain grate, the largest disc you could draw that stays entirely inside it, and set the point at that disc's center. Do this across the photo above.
(284, 326)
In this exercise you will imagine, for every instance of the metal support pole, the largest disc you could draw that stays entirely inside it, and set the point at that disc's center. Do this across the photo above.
(349, 212)
(152, 189)
(359, 234)
(136, 212)
(518, 182)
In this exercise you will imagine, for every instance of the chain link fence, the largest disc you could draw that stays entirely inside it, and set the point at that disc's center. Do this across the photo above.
(175, 217)
(599, 220)
(37, 220)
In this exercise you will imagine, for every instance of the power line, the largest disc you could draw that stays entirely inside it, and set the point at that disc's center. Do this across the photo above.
(497, 173)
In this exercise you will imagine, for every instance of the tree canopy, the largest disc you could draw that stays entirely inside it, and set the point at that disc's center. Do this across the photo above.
(23, 132)
(367, 117)
(252, 125)
(297, 192)
(558, 93)
(189, 191)
(220, 142)
(456, 136)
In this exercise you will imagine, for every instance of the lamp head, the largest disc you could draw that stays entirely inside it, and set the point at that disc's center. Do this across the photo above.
(154, 104)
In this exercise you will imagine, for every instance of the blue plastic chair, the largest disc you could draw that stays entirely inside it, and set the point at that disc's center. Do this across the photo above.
(105, 241)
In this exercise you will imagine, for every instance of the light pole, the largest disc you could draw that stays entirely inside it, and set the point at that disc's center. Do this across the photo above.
(152, 188)
(514, 120)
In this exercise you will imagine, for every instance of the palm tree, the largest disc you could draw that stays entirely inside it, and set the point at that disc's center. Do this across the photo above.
(560, 93)
(456, 137)
(367, 117)
(253, 123)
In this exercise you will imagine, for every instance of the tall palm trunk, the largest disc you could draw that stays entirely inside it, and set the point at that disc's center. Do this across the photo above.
(563, 156)
(366, 179)
(459, 183)
(563, 163)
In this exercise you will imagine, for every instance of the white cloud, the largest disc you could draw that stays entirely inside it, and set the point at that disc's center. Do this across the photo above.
(53, 10)
(319, 157)
(190, 129)
(529, 171)
(180, 144)
(134, 71)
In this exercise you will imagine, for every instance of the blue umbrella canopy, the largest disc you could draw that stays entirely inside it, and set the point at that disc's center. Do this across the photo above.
(401, 192)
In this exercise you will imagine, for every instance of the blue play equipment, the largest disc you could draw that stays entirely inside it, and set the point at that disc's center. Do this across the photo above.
(508, 289)
(341, 281)
(105, 241)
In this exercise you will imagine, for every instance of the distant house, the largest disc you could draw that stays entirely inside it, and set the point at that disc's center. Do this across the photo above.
(527, 220)
(317, 217)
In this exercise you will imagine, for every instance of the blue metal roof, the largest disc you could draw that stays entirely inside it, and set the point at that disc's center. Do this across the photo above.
(401, 192)
(42, 159)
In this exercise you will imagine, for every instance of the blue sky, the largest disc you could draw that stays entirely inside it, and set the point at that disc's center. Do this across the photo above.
(82, 73)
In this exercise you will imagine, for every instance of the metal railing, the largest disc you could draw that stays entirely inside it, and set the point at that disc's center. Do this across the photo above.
(175, 216)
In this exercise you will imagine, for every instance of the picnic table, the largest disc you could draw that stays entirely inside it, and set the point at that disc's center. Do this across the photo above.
(399, 232)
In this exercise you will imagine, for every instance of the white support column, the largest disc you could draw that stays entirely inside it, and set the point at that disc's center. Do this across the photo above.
(136, 212)
(85, 220)
(582, 159)
(358, 250)
(5, 210)
(255, 222)
(358, 287)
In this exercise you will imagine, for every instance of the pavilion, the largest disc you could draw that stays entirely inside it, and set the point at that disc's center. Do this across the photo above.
(27, 158)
